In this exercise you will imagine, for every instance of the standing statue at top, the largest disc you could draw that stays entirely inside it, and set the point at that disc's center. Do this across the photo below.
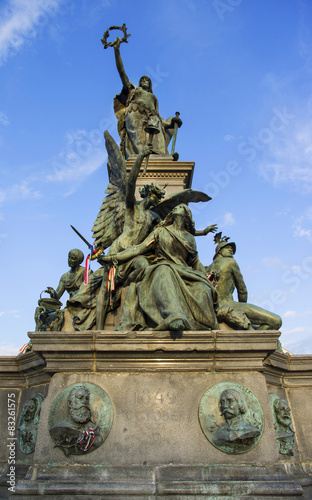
(137, 107)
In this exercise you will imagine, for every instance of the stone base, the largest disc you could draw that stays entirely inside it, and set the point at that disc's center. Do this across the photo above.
(166, 482)
(156, 447)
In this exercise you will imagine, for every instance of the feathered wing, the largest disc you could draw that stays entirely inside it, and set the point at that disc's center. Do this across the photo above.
(172, 200)
(110, 220)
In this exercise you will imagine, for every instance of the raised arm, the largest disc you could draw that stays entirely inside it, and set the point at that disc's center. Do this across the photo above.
(131, 184)
(209, 229)
(120, 67)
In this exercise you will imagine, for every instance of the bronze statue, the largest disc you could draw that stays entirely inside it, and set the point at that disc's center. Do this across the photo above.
(77, 434)
(136, 107)
(139, 220)
(121, 223)
(227, 275)
(236, 433)
(48, 314)
(72, 279)
(28, 423)
(173, 292)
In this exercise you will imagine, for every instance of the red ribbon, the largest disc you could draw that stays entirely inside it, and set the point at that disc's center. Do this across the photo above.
(88, 437)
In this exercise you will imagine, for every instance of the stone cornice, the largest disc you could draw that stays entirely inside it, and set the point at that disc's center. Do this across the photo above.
(289, 370)
(150, 350)
(22, 371)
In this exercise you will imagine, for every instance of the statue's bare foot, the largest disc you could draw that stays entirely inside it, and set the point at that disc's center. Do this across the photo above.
(176, 325)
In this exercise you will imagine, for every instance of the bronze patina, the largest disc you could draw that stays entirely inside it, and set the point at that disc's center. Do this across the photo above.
(284, 431)
(225, 273)
(80, 418)
(28, 423)
(135, 107)
(231, 417)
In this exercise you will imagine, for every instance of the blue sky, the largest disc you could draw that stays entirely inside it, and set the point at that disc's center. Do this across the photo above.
(240, 74)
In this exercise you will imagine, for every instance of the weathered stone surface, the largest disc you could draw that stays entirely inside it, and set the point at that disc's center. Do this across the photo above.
(155, 383)
(174, 482)
(109, 350)
(300, 403)
(156, 419)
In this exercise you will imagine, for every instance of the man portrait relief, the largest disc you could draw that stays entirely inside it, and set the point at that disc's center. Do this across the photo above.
(80, 431)
(28, 423)
(236, 431)
(284, 431)
(231, 417)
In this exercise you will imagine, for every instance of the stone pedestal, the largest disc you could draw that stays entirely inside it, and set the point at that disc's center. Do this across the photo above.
(156, 447)
(164, 170)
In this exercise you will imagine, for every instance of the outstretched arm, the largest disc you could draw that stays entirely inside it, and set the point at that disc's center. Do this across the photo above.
(131, 252)
(61, 287)
(131, 184)
(209, 229)
(120, 67)
(59, 291)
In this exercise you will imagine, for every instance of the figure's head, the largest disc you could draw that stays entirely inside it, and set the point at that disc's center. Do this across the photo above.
(75, 257)
(29, 409)
(146, 83)
(225, 249)
(282, 412)
(231, 404)
(152, 193)
(185, 211)
(79, 404)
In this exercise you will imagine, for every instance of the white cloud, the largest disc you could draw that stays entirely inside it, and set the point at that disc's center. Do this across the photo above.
(273, 262)
(289, 314)
(10, 313)
(4, 119)
(299, 344)
(228, 219)
(81, 155)
(303, 225)
(21, 191)
(21, 20)
(8, 350)
(288, 158)
(298, 329)
(229, 138)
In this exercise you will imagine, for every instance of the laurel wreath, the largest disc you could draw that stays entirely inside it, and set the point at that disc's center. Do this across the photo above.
(122, 28)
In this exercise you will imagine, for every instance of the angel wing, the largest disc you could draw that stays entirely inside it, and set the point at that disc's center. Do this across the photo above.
(110, 220)
(172, 200)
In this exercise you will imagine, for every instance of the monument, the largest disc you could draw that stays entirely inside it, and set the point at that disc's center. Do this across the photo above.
(152, 381)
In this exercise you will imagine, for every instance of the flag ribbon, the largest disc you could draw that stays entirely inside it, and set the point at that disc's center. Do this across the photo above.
(88, 263)
(87, 438)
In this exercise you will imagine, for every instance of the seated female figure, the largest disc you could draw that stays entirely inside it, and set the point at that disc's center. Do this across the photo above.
(172, 293)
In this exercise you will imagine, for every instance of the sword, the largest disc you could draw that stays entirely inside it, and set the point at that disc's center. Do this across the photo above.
(177, 124)
(97, 252)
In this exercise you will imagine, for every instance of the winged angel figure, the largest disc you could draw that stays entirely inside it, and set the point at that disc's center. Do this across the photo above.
(123, 222)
